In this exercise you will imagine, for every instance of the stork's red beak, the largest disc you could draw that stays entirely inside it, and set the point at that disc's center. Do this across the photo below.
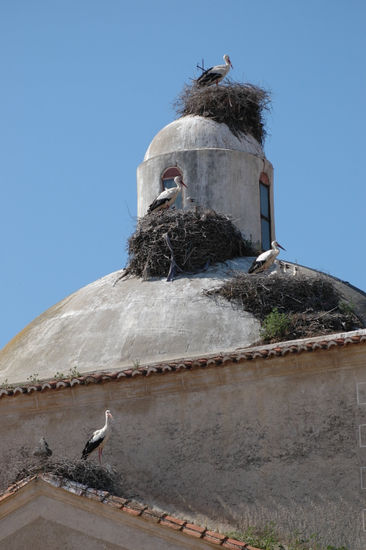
(182, 182)
(278, 244)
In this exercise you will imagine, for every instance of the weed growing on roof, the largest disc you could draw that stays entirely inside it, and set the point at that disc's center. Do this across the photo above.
(239, 106)
(135, 364)
(6, 386)
(268, 538)
(275, 326)
(74, 372)
(346, 307)
(33, 378)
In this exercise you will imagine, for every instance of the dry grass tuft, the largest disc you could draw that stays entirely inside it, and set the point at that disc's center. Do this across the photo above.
(312, 304)
(183, 240)
(240, 106)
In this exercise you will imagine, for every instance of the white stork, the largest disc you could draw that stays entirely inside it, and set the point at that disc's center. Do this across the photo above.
(98, 439)
(266, 259)
(167, 197)
(215, 74)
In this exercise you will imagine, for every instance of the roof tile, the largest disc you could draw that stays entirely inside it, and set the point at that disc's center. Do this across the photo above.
(213, 540)
(171, 524)
(116, 502)
(192, 532)
(266, 352)
(235, 544)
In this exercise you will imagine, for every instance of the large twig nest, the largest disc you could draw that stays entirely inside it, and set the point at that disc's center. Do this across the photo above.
(240, 106)
(82, 471)
(312, 304)
(197, 238)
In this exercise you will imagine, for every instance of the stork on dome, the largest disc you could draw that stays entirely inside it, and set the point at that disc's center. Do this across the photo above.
(167, 197)
(266, 259)
(214, 75)
(98, 439)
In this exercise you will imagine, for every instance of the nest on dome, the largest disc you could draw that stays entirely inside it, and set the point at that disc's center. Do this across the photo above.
(240, 106)
(290, 307)
(183, 241)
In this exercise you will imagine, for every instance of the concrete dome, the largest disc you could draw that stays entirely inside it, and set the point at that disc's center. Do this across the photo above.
(106, 327)
(196, 132)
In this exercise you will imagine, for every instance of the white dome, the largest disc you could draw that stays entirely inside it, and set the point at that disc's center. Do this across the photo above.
(105, 326)
(197, 132)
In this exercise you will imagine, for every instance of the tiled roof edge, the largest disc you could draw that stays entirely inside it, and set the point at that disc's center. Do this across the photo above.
(133, 508)
(219, 359)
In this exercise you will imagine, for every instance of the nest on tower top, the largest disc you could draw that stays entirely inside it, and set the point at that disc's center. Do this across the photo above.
(289, 306)
(170, 242)
(240, 106)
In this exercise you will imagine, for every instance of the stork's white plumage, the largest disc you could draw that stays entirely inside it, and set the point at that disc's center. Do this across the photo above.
(167, 197)
(98, 439)
(215, 74)
(266, 259)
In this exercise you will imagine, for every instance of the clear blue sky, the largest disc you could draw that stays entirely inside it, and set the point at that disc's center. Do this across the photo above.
(87, 84)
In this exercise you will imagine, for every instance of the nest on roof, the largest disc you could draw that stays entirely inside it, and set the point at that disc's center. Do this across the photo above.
(81, 471)
(240, 106)
(185, 240)
(312, 305)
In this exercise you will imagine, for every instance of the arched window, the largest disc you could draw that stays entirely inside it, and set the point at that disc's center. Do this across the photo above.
(265, 206)
(167, 181)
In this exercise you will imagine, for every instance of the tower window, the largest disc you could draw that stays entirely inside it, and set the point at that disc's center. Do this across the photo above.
(265, 211)
(167, 181)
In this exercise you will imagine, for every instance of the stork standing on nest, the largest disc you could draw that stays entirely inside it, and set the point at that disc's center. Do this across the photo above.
(98, 439)
(266, 259)
(214, 75)
(167, 197)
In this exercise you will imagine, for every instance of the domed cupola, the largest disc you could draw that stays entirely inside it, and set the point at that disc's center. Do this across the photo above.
(224, 170)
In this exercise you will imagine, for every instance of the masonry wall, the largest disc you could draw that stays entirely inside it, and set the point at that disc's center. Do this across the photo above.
(279, 439)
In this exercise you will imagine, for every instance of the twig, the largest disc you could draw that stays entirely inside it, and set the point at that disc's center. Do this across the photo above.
(173, 264)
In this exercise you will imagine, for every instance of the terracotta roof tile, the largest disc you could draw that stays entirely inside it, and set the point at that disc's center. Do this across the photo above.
(234, 544)
(214, 538)
(198, 533)
(131, 511)
(151, 515)
(116, 502)
(217, 360)
(172, 519)
(95, 494)
(171, 524)
(74, 487)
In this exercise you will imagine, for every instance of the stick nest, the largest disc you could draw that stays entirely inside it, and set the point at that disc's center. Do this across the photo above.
(240, 106)
(81, 471)
(197, 237)
(312, 305)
